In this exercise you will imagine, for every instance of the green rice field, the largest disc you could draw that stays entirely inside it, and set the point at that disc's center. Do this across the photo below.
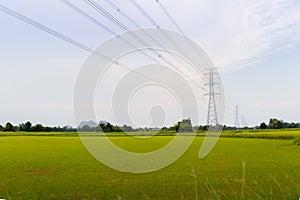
(59, 167)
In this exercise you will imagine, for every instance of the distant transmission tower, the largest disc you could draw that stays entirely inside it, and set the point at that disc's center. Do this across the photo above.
(237, 123)
(244, 122)
(212, 115)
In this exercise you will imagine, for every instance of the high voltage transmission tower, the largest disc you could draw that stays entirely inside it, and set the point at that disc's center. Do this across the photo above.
(244, 122)
(237, 120)
(212, 114)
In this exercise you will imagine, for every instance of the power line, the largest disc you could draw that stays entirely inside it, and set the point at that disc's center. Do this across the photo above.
(114, 6)
(122, 13)
(155, 24)
(212, 115)
(178, 27)
(111, 18)
(110, 31)
(61, 36)
(212, 105)
(169, 16)
(81, 12)
(144, 13)
(71, 41)
(115, 21)
(106, 14)
(43, 28)
(152, 21)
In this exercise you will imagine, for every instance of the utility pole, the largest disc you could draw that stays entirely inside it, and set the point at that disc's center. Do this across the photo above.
(212, 115)
(237, 123)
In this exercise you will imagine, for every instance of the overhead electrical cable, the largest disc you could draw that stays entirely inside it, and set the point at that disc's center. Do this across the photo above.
(123, 27)
(71, 41)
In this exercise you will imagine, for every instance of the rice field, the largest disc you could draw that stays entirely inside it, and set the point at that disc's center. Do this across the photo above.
(59, 167)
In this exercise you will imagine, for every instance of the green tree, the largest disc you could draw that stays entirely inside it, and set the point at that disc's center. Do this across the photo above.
(263, 125)
(184, 126)
(85, 128)
(38, 128)
(25, 127)
(275, 123)
(9, 127)
(116, 129)
(126, 128)
(28, 126)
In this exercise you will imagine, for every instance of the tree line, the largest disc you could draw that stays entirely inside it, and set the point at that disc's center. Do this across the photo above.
(182, 126)
(28, 127)
(278, 124)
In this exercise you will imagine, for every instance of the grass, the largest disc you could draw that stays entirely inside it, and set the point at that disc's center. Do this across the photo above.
(65, 134)
(282, 134)
(296, 141)
(238, 168)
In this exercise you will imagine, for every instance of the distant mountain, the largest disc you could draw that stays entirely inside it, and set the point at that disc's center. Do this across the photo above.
(103, 122)
(90, 123)
(68, 127)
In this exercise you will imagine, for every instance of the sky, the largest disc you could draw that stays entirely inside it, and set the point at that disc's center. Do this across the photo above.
(255, 45)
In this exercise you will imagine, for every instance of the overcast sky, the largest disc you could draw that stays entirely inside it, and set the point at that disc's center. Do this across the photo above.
(255, 44)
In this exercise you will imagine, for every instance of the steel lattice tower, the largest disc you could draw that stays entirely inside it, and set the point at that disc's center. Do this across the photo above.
(212, 115)
(237, 121)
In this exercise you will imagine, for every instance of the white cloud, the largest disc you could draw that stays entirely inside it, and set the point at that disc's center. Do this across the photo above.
(238, 33)
(265, 28)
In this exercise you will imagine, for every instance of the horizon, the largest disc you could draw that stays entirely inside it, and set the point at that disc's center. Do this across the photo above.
(86, 122)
